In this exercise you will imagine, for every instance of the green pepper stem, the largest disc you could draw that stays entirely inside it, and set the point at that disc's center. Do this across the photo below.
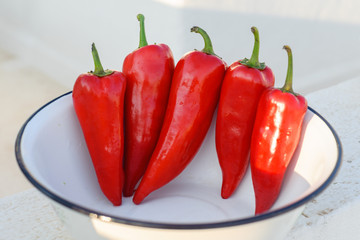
(208, 49)
(99, 70)
(143, 41)
(289, 76)
(254, 60)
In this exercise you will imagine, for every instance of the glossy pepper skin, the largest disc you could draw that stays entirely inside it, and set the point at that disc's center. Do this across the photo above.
(193, 98)
(276, 135)
(148, 70)
(98, 99)
(242, 87)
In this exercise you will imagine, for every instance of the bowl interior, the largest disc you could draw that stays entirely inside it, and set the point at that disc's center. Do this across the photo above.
(53, 155)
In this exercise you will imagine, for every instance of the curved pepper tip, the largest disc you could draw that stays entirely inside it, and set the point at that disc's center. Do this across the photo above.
(138, 198)
(227, 187)
(128, 190)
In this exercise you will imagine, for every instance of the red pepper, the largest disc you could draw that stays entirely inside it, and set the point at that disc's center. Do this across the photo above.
(98, 101)
(275, 137)
(193, 98)
(148, 70)
(242, 87)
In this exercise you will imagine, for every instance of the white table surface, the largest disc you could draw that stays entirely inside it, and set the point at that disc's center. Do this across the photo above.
(332, 215)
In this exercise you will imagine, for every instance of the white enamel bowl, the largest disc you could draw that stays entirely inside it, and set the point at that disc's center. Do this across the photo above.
(52, 154)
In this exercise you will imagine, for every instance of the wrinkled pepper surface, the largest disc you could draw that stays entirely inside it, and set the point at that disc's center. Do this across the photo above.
(192, 101)
(244, 82)
(275, 137)
(98, 99)
(148, 70)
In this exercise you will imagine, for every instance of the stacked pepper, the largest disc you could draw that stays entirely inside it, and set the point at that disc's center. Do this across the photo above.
(98, 99)
(193, 99)
(149, 71)
(167, 111)
(276, 134)
(243, 85)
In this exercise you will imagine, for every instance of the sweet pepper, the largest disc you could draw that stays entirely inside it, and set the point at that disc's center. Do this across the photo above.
(244, 82)
(148, 70)
(276, 134)
(192, 101)
(98, 99)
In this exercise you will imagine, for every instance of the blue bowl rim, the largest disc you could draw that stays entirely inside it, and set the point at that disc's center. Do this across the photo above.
(116, 219)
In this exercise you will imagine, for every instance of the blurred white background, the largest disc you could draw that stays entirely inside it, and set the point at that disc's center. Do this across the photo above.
(45, 45)
(55, 36)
